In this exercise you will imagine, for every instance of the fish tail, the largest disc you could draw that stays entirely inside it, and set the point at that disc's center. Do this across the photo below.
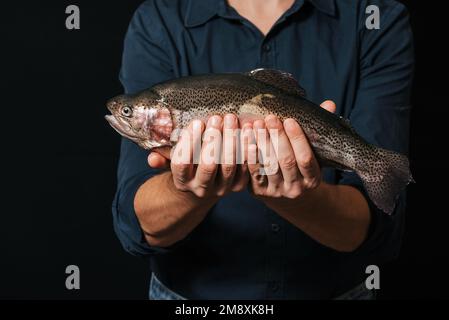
(385, 176)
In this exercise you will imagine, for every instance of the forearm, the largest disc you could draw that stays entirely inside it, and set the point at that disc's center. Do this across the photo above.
(337, 216)
(167, 215)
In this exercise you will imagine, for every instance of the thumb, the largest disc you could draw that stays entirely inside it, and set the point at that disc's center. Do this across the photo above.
(163, 151)
(156, 160)
(329, 105)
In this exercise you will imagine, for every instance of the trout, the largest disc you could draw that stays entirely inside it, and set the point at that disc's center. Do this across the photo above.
(152, 118)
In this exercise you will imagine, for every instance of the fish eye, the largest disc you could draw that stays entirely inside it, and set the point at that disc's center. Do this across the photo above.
(126, 111)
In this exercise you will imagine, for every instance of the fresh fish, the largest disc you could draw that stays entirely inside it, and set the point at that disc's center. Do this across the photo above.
(152, 117)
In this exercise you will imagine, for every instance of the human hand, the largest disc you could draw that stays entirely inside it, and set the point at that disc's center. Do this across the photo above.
(216, 174)
(295, 169)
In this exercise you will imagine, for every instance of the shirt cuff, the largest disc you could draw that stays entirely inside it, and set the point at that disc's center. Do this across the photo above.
(126, 224)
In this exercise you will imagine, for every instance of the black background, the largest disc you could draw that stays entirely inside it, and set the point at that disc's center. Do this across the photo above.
(59, 157)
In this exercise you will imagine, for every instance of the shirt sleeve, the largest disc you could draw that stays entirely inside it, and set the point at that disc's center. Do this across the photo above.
(381, 112)
(144, 64)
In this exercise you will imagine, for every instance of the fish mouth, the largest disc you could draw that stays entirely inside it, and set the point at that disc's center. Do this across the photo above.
(121, 127)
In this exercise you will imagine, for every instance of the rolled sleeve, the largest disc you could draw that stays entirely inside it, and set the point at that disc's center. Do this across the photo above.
(145, 62)
(381, 112)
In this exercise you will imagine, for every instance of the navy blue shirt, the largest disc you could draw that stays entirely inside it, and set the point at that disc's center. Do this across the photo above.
(242, 249)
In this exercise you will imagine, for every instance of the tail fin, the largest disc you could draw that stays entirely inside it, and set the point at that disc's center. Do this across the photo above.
(385, 177)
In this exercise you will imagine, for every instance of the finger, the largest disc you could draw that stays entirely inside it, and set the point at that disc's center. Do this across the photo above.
(241, 177)
(305, 158)
(267, 154)
(227, 168)
(258, 178)
(182, 164)
(155, 160)
(283, 150)
(329, 105)
(163, 151)
(251, 155)
(210, 154)
(258, 181)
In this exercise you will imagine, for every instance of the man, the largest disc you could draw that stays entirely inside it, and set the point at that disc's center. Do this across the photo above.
(215, 231)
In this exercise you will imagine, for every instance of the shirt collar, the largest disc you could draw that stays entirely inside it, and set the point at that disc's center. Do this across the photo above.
(201, 11)
(326, 6)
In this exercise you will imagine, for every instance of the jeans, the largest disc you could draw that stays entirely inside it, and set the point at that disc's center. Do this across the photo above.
(158, 291)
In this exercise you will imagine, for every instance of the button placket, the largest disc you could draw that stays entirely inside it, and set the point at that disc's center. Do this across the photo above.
(267, 53)
(276, 247)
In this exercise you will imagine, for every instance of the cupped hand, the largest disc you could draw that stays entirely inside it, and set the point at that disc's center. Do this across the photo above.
(215, 173)
(299, 170)
(291, 168)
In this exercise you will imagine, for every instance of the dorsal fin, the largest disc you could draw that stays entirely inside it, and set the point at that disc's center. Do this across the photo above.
(278, 79)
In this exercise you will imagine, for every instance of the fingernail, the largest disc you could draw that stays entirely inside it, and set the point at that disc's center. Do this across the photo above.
(258, 124)
(229, 120)
(271, 121)
(214, 121)
(290, 124)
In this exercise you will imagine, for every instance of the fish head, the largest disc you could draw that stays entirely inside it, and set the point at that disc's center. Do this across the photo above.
(144, 119)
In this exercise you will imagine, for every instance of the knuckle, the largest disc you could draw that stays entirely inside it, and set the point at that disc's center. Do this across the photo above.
(298, 136)
(208, 169)
(306, 162)
(288, 162)
(179, 167)
(276, 195)
(258, 180)
(199, 192)
(291, 195)
(221, 192)
(180, 185)
(294, 191)
(179, 182)
(255, 174)
(274, 191)
(227, 170)
(312, 183)
(253, 170)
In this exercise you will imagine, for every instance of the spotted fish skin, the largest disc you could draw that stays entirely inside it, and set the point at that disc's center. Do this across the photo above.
(257, 94)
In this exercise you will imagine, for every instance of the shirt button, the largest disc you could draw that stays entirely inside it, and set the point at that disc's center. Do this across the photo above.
(275, 227)
(274, 286)
(266, 47)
